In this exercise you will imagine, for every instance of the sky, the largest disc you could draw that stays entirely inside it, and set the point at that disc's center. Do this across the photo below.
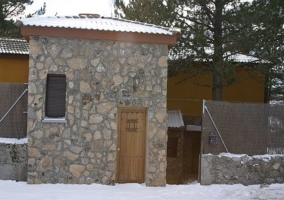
(13, 190)
(73, 7)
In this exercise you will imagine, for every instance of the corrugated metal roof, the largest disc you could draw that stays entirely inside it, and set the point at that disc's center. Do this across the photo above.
(244, 58)
(175, 119)
(14, 46)
(239, 58)
(101, 24)
(193, 128)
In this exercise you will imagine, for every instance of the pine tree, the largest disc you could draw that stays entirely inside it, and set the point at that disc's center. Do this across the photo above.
(212, 32)
(10, 9)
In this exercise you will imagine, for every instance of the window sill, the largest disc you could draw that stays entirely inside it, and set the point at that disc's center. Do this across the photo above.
(61, 120)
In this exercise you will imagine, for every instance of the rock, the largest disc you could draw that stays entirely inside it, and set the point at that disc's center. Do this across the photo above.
(95, 62)
(77, 170)
(35, 48)
(276, 166)
(45, 164)
(49, 146)
(104, 108)
(95, 119)
(97, 145)
(66, 53)
(70, 156)
(85, 87)
(33, 152)
(77, 63)
(117, 80)
(75, 149)
(163, 61)
(54, 49)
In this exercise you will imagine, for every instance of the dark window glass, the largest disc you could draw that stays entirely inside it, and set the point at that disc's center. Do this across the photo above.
(55, 96)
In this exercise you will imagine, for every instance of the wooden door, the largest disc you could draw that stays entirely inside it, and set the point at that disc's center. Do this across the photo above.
(131, 145)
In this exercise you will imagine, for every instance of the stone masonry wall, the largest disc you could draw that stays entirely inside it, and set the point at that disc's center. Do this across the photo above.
(99, 79)
(13, 163)
(243, 169)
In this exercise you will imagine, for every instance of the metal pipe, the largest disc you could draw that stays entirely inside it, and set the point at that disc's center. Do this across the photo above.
(13, 105)
(216, 128)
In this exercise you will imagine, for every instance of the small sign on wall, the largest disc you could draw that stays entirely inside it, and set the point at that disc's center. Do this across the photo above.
(212, 139)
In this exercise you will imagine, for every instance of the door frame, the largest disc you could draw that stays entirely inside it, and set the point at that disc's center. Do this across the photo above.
(119, 111)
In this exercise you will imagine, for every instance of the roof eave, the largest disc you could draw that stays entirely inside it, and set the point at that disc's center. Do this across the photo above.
(28, 31)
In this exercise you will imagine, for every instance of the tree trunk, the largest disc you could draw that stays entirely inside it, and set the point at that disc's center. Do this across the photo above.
(1, 15)
(217, 76)
(217, 89)
(267, 87)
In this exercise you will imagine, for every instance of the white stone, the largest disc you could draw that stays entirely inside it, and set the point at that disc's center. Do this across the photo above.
(101, 68)
(94, 119)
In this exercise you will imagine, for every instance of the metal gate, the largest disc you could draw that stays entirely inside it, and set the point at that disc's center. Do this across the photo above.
(13, 110)
(242, 128)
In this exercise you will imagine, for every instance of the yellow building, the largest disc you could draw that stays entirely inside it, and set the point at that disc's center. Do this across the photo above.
(188, 95)
(14, 60)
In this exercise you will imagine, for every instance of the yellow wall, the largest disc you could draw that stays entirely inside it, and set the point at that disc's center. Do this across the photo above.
(188, 97)
(14, 70)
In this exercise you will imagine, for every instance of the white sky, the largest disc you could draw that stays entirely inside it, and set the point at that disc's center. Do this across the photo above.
(72, 7)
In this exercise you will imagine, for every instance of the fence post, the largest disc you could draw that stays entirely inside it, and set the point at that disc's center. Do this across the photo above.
(205, 107)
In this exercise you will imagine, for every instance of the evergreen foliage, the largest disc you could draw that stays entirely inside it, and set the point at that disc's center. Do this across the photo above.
(11, 9)
(213, 31)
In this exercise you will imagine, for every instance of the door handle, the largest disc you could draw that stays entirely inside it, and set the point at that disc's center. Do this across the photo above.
(118, 149)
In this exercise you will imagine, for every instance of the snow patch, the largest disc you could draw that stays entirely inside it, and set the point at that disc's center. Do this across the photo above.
(13, 141)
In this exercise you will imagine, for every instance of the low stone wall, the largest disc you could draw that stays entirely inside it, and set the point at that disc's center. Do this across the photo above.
(13, 162)
(243, 169)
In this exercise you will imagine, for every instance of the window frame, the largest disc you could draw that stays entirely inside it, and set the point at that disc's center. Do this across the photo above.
(50, 111)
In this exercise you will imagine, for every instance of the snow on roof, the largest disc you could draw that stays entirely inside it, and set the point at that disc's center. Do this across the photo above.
(95, 22)
(244, 58)
(175, 119)
(14, 46)
(232, 57)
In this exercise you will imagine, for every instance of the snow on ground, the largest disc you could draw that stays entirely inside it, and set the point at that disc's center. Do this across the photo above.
(13, 141)
(11, 190)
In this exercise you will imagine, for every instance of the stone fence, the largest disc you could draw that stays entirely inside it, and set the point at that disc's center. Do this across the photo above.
(215, 169)
(13, 162)
(242, 169)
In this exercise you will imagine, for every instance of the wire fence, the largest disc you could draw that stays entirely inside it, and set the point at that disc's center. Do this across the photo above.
(13, 110)
(239, 128)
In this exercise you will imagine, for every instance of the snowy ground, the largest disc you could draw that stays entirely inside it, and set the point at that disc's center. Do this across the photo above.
(11, 190)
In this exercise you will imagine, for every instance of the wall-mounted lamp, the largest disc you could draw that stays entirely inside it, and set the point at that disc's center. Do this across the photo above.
(136, 82)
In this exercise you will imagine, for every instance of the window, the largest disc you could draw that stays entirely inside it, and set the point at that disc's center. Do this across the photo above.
(55, 98)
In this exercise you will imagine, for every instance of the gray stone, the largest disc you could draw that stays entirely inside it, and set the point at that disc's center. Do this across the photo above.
(84, 149)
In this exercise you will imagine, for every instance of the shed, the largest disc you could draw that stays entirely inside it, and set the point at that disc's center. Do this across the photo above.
(175, 147)
(97, 109)
(14, 59)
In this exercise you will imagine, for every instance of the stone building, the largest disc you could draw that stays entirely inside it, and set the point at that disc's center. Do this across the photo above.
(97, 107)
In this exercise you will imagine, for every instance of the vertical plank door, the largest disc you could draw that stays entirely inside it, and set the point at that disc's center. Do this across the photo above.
(131, 145)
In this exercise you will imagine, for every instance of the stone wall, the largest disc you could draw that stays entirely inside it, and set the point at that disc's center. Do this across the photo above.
(13, 164)
(99, 79)
(243, 169)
